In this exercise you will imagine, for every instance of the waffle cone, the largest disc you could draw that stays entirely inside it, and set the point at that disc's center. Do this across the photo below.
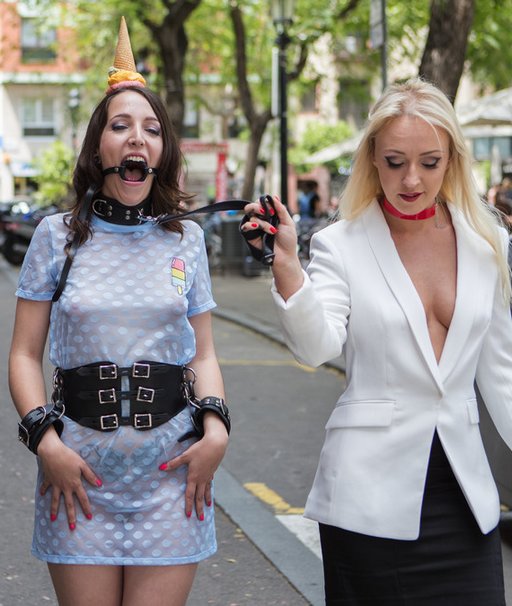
(123, 59)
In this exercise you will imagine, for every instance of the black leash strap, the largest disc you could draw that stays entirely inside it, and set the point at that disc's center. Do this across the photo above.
(211, 208)
(225, 205)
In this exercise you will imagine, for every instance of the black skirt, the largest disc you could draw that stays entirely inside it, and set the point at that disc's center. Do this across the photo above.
(451, 563)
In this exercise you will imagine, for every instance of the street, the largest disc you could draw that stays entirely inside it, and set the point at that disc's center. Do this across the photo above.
(266, 550)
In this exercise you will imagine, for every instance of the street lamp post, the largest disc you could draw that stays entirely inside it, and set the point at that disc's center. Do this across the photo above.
(282, 13)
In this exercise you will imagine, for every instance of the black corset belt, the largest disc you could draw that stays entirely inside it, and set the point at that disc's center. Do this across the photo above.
(93, 394)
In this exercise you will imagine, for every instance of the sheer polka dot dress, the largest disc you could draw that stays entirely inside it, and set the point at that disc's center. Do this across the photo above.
(129, 296)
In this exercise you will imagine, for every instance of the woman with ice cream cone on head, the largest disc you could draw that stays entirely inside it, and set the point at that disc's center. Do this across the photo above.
(136, 425)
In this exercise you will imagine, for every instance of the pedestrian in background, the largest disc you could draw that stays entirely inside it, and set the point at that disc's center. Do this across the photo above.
(412, 283)
(123, 507)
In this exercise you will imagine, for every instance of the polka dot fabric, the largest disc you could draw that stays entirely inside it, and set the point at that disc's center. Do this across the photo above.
(129, 294)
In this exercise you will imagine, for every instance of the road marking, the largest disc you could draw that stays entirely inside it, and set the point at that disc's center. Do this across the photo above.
(305, 530)
(270, 497)
(225, 362)
(290, 517)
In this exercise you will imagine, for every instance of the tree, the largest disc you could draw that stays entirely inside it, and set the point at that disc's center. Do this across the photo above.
(171, 39)
(317, 136)
(445, 50)
(54, 174)
(157, 30)
(315, 21)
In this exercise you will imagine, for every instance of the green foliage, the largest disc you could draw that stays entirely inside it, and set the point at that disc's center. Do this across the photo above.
(55, 171)
(489, 50)
(318, 135)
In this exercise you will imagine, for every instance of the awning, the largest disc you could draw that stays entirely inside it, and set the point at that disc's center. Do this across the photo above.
(491, 110)
(332, 152)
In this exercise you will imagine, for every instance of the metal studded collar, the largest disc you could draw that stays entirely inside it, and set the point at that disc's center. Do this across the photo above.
(113, 211)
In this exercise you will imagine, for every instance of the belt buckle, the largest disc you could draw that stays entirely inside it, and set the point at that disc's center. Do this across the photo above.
(143, 420)
(145, 394)
(140, 370)
(108, 371)
(107, 396)
(109, 422)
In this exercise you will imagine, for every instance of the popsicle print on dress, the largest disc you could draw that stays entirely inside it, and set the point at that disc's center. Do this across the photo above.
(178, 274)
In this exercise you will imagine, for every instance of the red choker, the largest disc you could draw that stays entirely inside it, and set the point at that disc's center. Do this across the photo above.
(426, 213)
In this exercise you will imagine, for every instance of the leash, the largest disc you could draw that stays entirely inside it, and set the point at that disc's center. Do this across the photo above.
(265, 256)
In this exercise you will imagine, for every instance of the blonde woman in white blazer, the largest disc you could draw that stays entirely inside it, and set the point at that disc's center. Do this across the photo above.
(412, 284)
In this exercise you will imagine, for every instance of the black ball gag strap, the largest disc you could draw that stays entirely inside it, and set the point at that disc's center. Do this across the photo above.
(121, 171)
(265, 254)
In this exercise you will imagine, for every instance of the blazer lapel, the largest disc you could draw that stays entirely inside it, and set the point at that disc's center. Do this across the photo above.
(399, 282)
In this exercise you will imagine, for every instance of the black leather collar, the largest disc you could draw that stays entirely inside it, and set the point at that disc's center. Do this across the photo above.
(113, 211)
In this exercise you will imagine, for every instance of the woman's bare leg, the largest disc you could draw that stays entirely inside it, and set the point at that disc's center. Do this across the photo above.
(157, 585)
(80, 585)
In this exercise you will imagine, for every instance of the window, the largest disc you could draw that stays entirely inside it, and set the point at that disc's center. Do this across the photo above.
(191, 121)
(38, 118)
(482, 147)
(308, 97)
(354, 100)
(37, 42)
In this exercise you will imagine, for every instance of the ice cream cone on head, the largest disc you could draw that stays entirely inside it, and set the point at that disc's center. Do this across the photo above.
(124, 73)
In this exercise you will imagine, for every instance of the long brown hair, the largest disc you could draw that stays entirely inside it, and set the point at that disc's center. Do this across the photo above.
(166, 194)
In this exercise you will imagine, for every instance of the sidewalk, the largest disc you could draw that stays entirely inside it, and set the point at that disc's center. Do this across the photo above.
(248, 302)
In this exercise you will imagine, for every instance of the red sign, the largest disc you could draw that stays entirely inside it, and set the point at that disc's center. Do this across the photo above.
(221, 178)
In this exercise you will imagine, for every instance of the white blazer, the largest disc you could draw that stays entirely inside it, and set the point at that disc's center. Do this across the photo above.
(358, 295)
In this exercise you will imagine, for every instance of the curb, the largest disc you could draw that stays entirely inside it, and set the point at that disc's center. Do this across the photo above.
(296, 562)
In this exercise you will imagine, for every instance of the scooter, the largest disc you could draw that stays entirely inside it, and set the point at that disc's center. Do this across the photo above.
(17, 226)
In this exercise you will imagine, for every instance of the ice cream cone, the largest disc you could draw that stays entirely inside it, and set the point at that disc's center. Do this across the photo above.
(124, 71)
(124, 55)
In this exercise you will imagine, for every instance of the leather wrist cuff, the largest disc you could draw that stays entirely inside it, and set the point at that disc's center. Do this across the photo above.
(35, 423)
(210, 404)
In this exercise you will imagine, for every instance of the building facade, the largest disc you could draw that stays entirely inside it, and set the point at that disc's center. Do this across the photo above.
(38, 70)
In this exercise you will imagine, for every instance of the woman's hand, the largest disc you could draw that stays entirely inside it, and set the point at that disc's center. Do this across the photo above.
(202, 459)
(285, 242)
(286, 268)
(64, 471)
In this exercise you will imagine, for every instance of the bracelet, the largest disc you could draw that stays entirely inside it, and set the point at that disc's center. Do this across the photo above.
(35, 423)
(210, 404)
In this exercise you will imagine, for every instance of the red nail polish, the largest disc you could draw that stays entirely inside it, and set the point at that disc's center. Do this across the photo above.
(72, 526)
(254, 225)
(273, 230)
(89, 516)
(99, 483)
(188, 514)
(53, 517)
(271, 211)
(261, 211)
(208, 503)
(163, 467)
(201, 517)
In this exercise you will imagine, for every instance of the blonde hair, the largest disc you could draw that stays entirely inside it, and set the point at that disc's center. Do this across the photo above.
(423, 100)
